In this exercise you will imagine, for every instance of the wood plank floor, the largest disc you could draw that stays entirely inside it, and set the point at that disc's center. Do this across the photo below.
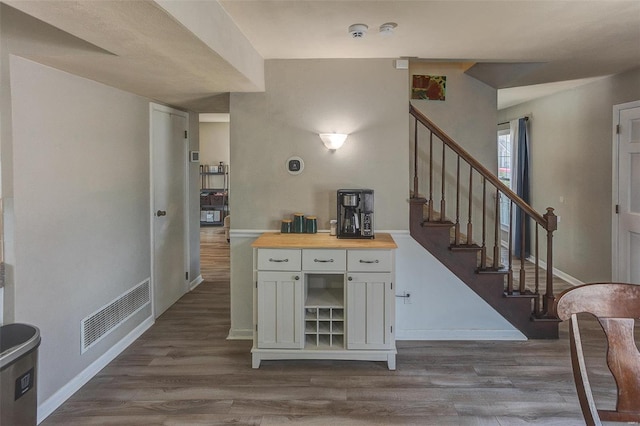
(183, 371)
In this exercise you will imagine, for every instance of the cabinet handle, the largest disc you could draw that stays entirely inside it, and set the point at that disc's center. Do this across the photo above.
(350, 278)
(323, 260)
(278, 260)
(160, 213)
(369, 261)
(296, 278)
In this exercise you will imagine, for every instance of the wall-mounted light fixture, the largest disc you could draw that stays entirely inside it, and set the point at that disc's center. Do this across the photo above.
(333, 140)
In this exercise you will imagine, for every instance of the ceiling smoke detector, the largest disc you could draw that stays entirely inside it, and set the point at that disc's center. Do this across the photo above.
(387, 28)
(358, 30)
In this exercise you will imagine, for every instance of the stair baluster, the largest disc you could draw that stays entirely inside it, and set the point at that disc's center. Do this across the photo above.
(524, 301)
(469, 225)
(522, 277)
(483, 252)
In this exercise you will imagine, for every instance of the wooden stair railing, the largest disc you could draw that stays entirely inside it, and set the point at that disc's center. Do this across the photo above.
(542, 303)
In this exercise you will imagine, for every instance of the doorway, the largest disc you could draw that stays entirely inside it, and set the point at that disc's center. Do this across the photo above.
(215, 191)
(626, 193)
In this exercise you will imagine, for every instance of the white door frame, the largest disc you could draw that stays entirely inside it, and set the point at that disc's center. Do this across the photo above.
(615, 220)
(187, 253)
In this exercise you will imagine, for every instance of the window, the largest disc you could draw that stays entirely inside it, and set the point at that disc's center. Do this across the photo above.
(504, 171)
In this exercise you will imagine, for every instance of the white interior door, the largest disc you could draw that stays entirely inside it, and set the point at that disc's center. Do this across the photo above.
(626, 262)
(168, 207)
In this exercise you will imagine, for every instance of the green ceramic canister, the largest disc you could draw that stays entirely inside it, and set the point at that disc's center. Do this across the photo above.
(311, 225)
(285, 227)
(298, 223)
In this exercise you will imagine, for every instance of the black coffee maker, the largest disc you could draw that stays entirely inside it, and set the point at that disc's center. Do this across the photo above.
(355, 213)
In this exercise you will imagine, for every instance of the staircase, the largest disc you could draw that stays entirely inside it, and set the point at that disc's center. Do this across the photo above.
(477, 254)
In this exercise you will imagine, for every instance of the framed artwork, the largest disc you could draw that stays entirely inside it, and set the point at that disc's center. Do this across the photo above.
(429, 87)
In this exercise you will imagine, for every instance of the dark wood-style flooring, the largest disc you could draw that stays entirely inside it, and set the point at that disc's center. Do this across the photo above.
(183, 371)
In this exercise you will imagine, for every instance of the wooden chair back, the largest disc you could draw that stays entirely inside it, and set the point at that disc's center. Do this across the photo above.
(616, 306)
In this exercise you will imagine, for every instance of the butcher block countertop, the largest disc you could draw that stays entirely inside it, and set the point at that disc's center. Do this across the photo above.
(321, 240)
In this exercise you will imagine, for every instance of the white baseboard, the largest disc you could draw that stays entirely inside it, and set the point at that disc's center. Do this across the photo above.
(558, 273)
(57, 399)
(240, 334)
(460, 335)
(195, 283)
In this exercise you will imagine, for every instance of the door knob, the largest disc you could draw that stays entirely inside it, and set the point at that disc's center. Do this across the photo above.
(161, 213)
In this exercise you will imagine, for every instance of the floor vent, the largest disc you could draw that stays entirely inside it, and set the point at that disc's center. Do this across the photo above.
(99, 324)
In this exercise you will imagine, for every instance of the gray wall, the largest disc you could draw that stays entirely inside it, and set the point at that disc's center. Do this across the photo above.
(75, 181)
(369, 100)
(194, 201)
(81, 197)
(571, 137)
(214, 143)
(214, 148)
(468, 115)
(366, 99)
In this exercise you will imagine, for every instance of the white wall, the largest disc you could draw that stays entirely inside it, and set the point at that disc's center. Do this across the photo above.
(571, 157)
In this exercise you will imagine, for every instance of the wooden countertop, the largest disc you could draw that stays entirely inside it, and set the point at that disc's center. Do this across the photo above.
(321, 240)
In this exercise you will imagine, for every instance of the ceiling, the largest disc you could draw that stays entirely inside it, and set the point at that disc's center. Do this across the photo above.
(186, 53)
(518, 46)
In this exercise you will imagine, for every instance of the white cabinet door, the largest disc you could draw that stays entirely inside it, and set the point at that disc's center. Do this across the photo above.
(279, 299)
(369, 319)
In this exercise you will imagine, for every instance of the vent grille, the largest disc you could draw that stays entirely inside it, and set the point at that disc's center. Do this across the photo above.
(99, 324)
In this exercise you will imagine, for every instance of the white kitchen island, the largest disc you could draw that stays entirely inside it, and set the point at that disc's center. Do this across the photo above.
(320, 297)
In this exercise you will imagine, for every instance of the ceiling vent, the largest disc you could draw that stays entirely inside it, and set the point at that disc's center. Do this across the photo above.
(358, 30)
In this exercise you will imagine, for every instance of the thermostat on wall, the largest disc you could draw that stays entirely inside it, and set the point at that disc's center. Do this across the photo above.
(194, 156)
(295, 165)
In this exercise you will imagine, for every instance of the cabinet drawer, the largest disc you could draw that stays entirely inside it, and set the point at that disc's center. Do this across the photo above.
(324, 260)
(369, 260)
(279, 260)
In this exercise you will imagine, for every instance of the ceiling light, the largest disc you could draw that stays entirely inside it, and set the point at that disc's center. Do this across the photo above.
(333, 140)
(387, 28)
(358, 30)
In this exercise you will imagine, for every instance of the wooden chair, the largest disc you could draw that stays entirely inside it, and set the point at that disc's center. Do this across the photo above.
(616, 306)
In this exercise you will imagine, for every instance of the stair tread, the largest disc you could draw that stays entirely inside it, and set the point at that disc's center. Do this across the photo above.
(435, 223)
(491, 270)
(545, 319)
(436, 234)
(527, 293)
(462, 247)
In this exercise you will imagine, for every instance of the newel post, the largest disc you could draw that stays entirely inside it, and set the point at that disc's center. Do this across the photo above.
(552, 225)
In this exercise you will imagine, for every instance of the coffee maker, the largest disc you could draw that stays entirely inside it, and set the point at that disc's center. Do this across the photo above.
(355, 213)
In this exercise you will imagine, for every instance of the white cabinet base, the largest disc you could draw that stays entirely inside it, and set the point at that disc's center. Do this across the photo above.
(320, 298)
(258, 355)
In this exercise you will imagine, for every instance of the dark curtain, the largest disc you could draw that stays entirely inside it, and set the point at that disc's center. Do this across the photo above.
(522, 189)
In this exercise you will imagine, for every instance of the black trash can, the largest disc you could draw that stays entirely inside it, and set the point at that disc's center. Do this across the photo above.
(18, 374)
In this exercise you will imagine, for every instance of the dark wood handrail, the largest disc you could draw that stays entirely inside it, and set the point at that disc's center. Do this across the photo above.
(547, 221)
(484, 172)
